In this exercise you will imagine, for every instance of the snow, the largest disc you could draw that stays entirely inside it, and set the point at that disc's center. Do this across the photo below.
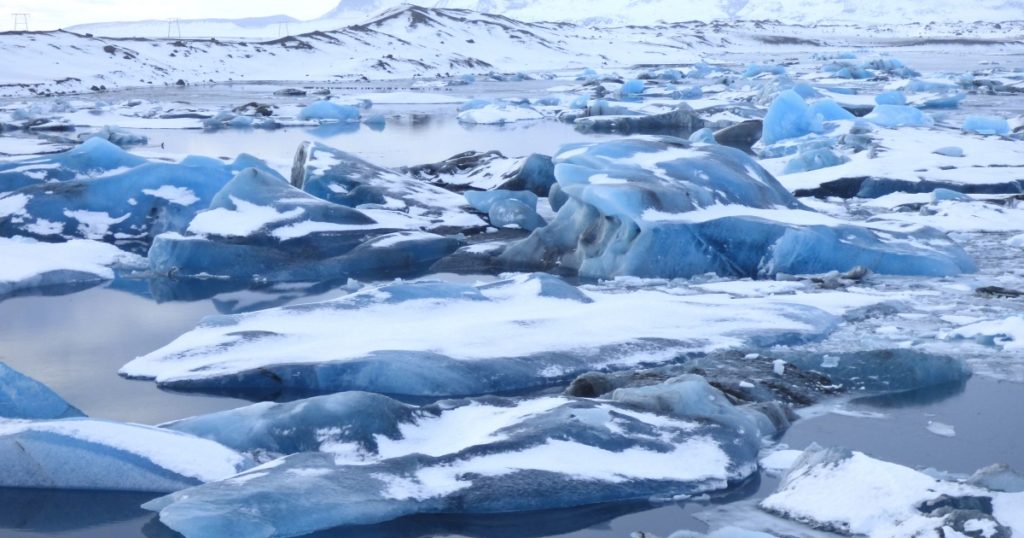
(940, 429)
(499, 114)
(175, 195)
(1006, 333)
(25, 259)
(245, 220)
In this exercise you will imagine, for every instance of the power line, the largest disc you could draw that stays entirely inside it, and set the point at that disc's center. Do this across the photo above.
(172, 25)
(20, 21)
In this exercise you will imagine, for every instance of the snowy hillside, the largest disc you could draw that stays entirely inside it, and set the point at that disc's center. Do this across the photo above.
(411, 41)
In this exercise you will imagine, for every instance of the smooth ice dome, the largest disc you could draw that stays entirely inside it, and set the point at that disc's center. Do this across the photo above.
(789, 117)
(488, 455)
(328, 111)
(893, 116)
(86, 454)
(663, 207)
(530, 331)
(25, 398)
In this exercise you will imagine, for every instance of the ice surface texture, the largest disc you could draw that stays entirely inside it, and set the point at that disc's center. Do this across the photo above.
(471, 456)
(97, 191)
(47, 443)
(259, 226)
(850, 493)
(35, 267)
(25, 398)
(527, 332)
(663, 207)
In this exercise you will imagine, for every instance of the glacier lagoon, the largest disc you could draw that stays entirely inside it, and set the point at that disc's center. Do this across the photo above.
(935, 427)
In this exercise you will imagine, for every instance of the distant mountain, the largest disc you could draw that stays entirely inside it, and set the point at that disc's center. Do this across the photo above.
(646, 12)
(244, 27)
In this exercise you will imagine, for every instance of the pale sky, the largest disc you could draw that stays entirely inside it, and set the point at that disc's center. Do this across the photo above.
(53, 14)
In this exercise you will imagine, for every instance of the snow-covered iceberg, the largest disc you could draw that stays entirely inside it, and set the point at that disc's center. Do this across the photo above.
(90, 193)
(851, 493)
(33, 267)
(663, 207)
(526, 332)
(96, 156)
(260, 227)
(489, 455)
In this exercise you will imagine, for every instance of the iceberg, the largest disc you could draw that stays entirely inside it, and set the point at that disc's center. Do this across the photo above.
(837, 490)
(893, 116)
(347, 180)
(530, 331)
(681, 121)
(123, 204)
(22, 397)
(260, 227)
(987, 125)
(328, 111)
(34, 267)
(814, 159)
(789, 117)
(87, 454)
(498, 114)
(482, 456)
(92, 158)
(661, 207)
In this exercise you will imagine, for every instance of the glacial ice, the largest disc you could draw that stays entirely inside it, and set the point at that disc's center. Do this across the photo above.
(893, 116)
(120, 137)
(987, 125)
(122, 203)
(92, 158)
(527, 332)
(814, 159)
(891, 98)
(22, 397)
(498, 114)
(328, 111)
(87, 454)
(661, 207)
(848, 492)
(345, 179)
(259, 226)
(754, 70)
(789, 117)
(484, 455)
(30, 266)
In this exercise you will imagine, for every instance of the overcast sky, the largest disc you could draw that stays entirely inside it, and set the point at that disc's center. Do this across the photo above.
(53, 14)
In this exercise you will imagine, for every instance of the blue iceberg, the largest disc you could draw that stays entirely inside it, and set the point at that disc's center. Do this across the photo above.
(987, 125)
(661, 207)
(25, 398)
(93, 157)
(260, 227)
(893, 116)
(483, 456)
(328, 111)
(87, 454)
(530, 331)
(789, 117)
(814, 159)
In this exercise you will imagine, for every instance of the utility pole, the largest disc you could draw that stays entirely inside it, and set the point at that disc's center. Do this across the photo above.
(282, 29)
(20, 21)
(172, 25)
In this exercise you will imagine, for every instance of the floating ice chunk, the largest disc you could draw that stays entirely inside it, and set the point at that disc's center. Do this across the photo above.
(789, 117)
(91, 454)
(950, 151)
(94, 157)
(328, 111)
(483, 200)
(829, 110)
(133, 204)
(780, 461)
(891, 98)
(481, 456)
(1005, 333)
(25, 398)
(510, 212)
(258, 226)
(850, 493)
(527, 332)
(941, 195)
(662, 207)
(940, 429)
(1016, 241)
(633, 87)
(999, 477)
(814, 159)
(345, 179)
(987, 125)
(32, 266)
(893, 116)
(703, 136)
(679, 121)
(497, 114)
(120, 137)
(754, 70)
